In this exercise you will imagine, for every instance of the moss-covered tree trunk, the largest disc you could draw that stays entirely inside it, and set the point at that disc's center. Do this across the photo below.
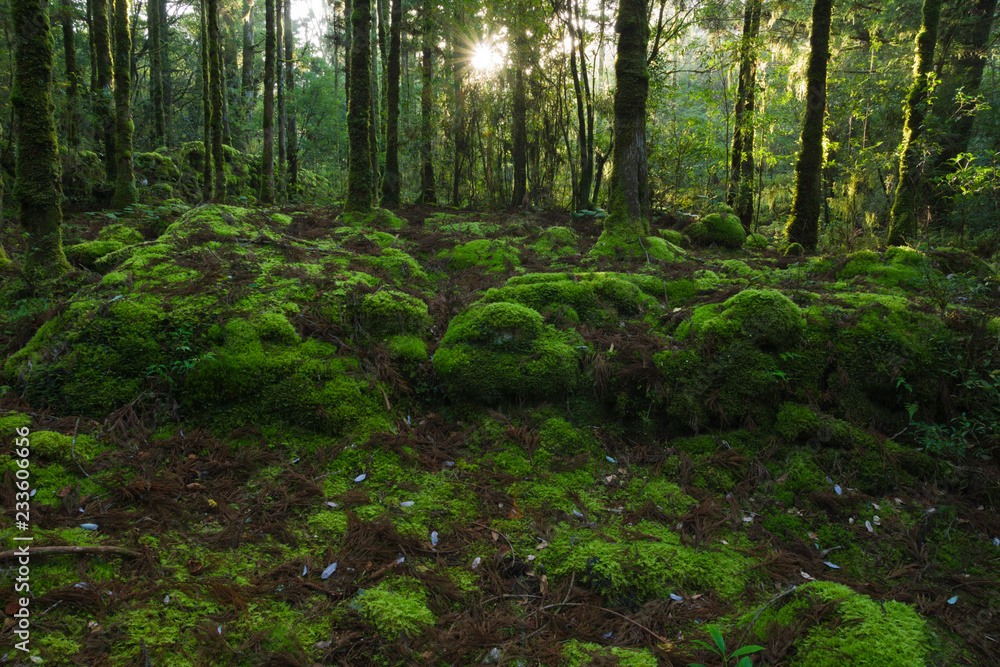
(903, 222)
(292, 138)
(125, 194)
(628, 204)
(165, 80)
(360, 179)
(803, 228)
(741, 173)
(224, 85)
(37, 188)
(215, 84)
(247, 87)
(427, 188)
(267, 159)
(206, 105)
(391, 182)
(279, 80)
(373, 125)
(91, 48)
(72, 77)
(104, 96)
(153, 20)
(459, 115)
(519, 120)
(348, 47)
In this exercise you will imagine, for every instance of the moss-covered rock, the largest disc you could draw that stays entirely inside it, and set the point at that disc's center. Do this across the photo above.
(796, 421)
(503, 350)
(857, 630)
(155, 167)
(720, 229)
(556, 242)
(381, 218)
(595, 297)
(767, 318)
(63, 448)
(495, 255)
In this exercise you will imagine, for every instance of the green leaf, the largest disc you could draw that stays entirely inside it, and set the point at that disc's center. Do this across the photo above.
(745, 662)
(708, 646)
(719, 641)
(746, 650)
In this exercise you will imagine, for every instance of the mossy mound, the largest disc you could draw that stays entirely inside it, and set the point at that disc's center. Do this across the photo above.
(378, 219)
(722, 229)
(503, 350)
(155, 167)
(649, 248)
(556, 242)
(857, 630)
(766, 318)
(492, 255)
(580, 654)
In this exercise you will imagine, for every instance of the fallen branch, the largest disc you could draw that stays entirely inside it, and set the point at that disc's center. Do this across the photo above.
(56, 551)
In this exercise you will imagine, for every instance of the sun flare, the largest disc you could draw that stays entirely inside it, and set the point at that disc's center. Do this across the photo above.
(486, 57)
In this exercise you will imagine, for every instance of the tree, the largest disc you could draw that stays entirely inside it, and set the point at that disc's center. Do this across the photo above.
(803, 228)
(153, 21)
(37, 187)
(584, 105)
(391, 182)
(279, 80)
(125, 194)
(267, 160)
(903, 223)
(216, 83)
(247, 87)
(628, 203)
(206, 105)
(519, 132)
(360, 179)
(427, 193)
(292, 149)
(103, 96)
(740, 195)
(73, 89)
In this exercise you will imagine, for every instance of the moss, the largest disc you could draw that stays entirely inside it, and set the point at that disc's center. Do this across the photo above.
(409, 348)
(396, 606)
(388, 312)
(610, 244)
(59, 447)
(460, 224)
(724, 230)
(502, 350)
(993, 326)
(596, 297)
(12, 421)
(492, 255)
(799, 476)
(796, 421)
(794, 249)
(767, 318)
(561, 439)
(868, 263)
(673, 236)
(861, 631)
(556, 242)
(281, 219)
(398, 265)
(86, 254)
(578, 654)
(155, 166)
(758, 241)
(379, 218)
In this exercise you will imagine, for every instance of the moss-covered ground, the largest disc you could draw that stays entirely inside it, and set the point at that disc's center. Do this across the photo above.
(446, 438)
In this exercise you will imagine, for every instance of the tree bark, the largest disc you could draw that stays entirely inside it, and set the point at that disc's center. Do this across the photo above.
(125, 194)
(72, 78)
(37, 188)
(292, 148)
(903, 222)
(206, 103)
(584, 111)
(92, 48)
(267, 161)
(348, 48)
(360, 180)
(279, 80)
(427, 190)
(104, 96)
(165, 80)
(153, 20)
(215, 84)
(373, 133)
(247, 88)
(391, 182)
(741, 177)
(628, 204)
(803, 228)
(519, 130)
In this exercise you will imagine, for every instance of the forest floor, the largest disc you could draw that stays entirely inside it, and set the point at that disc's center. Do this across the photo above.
(324, 487)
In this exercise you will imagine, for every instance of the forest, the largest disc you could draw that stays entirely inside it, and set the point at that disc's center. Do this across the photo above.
(563, 332)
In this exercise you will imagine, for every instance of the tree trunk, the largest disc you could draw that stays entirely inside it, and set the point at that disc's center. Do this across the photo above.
(584, 112)
(279, 80)
(803, 228)
(903, 223)
(206, 103)
(165, 82)
(153, 20)
(92, 48)
(292, 148)
(215, 84)
(628, 204)
(247, 88)
(391, 182)
(519, 131)
(427, 194)
(348, 49)
(360, 180)
(459, 135)
(125, 194)
(104, 96)
(740, 195)
(37, 188)
(72, 78)
(373, 133)
(267, 161)
(224, 86)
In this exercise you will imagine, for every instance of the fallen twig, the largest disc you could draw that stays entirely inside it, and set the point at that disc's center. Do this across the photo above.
(55, 551)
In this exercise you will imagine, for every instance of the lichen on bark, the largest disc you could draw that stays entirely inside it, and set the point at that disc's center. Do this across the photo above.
(360, 179)
(37, 188)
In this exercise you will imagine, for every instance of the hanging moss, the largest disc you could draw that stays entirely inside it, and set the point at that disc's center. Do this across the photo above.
(38, 188)
(125, 194)
(803, 228)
